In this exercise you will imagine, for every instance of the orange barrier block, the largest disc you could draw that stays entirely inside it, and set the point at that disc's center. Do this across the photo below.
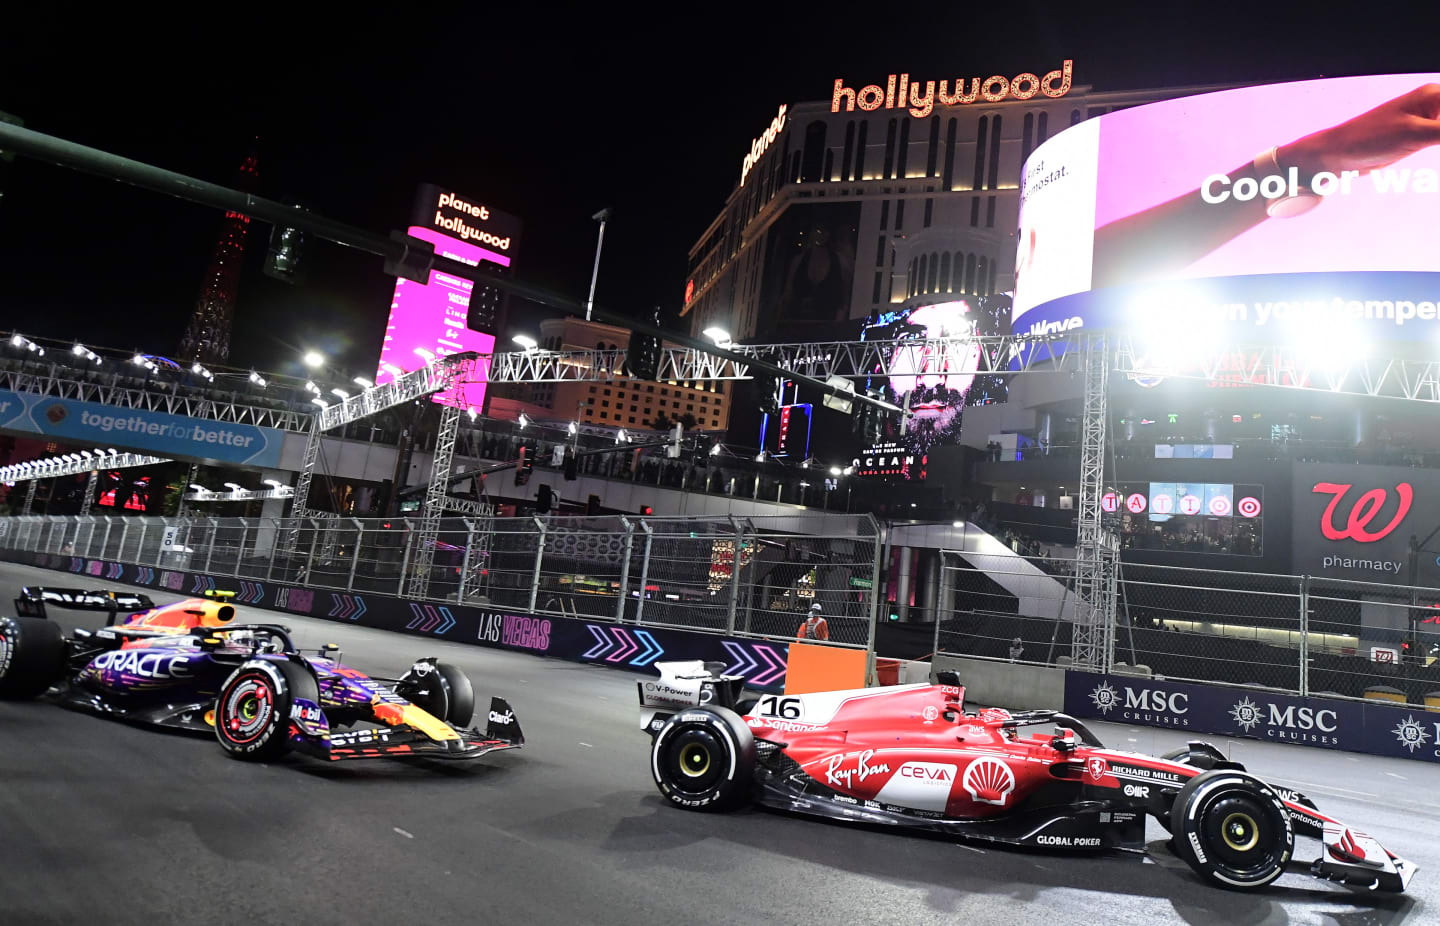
(813, 668)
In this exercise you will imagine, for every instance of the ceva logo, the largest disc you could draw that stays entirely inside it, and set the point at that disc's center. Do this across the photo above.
(1366, 507)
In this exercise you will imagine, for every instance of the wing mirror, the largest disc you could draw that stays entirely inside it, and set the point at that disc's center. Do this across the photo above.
(1064, 740)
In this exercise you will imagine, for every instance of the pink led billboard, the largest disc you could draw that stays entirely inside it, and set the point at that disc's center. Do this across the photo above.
(432, 318)
(1282, 209)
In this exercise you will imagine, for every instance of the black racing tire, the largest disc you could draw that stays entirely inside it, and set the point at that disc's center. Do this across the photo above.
(32, 656)
(704, 759)
(459, 693)
(441, 690)
(1232, 829)
(252, 710)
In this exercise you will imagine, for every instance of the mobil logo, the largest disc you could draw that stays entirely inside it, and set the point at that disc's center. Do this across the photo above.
(1362, 511)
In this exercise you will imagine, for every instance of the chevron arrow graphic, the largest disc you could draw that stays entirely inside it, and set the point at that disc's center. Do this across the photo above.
(627, 645)
(652, 649)
(743, 663)
(777, 665)
(602, 642)
(449, 620)
(361, 602)
(425, 618)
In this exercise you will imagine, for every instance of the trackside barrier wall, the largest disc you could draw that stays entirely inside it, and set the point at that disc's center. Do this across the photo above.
(596, 641)
(1373, 727)
(753, 576)
(1301, 635)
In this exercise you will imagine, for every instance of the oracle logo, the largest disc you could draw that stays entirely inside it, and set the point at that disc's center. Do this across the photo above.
(1362, 512)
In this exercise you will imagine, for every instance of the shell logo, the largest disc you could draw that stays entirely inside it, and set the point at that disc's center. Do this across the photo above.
(989, 781)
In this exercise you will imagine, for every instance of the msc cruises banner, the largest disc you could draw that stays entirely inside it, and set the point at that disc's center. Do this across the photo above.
(98, 425)
(1329, 723)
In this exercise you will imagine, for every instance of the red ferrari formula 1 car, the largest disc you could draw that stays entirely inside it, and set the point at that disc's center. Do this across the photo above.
(910, 756)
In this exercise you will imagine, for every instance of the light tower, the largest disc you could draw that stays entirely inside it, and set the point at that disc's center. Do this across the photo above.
(207, 335)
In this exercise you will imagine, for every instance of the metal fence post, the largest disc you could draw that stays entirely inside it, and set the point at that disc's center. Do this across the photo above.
(105, 539)
(210, 550)
(539, 558)
(880, 533)
(947, 602)
(734, 574)
(274, 553)
(405, 557)
(1304, 636)
(625, 570)
(314, 541)
(355, 553)
(644, 570)
(465, 560)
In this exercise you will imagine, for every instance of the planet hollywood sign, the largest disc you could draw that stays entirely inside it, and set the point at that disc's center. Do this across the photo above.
(758, 147)
(992, 89)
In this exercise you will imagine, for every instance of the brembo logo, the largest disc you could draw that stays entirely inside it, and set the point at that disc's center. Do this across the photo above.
(1366, 507)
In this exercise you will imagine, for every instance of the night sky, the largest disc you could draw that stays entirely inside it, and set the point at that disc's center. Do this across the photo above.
(549, 117)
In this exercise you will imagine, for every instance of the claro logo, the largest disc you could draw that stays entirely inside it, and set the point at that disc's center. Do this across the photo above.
(1366, 507)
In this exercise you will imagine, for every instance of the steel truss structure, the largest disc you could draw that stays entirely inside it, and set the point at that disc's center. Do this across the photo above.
(1095, 547)
(59, 466)
(61, 382)
(435, 502)
(819, 360)
(239, 495)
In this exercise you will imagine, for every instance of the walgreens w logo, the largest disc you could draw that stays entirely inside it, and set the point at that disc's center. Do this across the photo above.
(1366, 507)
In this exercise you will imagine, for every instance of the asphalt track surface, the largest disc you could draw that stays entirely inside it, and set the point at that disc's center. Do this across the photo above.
(101, 822)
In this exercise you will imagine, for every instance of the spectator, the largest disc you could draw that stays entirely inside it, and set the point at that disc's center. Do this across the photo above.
(1016, 648)
(814, 627)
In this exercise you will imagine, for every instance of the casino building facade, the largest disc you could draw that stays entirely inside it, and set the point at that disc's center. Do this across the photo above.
(840, 213)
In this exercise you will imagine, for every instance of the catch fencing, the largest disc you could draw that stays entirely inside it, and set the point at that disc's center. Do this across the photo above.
(669, 572)
(1297, 634)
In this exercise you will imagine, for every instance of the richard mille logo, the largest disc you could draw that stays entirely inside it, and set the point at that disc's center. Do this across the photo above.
(1105, 698)
(1246, 714)
(1411, 733)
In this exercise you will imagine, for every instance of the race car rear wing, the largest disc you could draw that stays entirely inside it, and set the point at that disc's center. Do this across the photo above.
(687, 684)
(33, 601)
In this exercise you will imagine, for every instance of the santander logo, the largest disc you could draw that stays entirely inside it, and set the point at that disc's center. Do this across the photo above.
(1362, 512)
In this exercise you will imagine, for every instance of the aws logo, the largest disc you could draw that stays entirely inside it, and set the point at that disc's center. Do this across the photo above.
(1362, 512)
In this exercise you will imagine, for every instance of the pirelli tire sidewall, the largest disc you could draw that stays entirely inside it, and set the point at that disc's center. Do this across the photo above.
(1194, 829)
(252, 710)
(727, 742)
(32, 656)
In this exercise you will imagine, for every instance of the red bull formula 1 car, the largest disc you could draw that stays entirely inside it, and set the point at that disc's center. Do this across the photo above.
(911, 756)
(190, 666)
